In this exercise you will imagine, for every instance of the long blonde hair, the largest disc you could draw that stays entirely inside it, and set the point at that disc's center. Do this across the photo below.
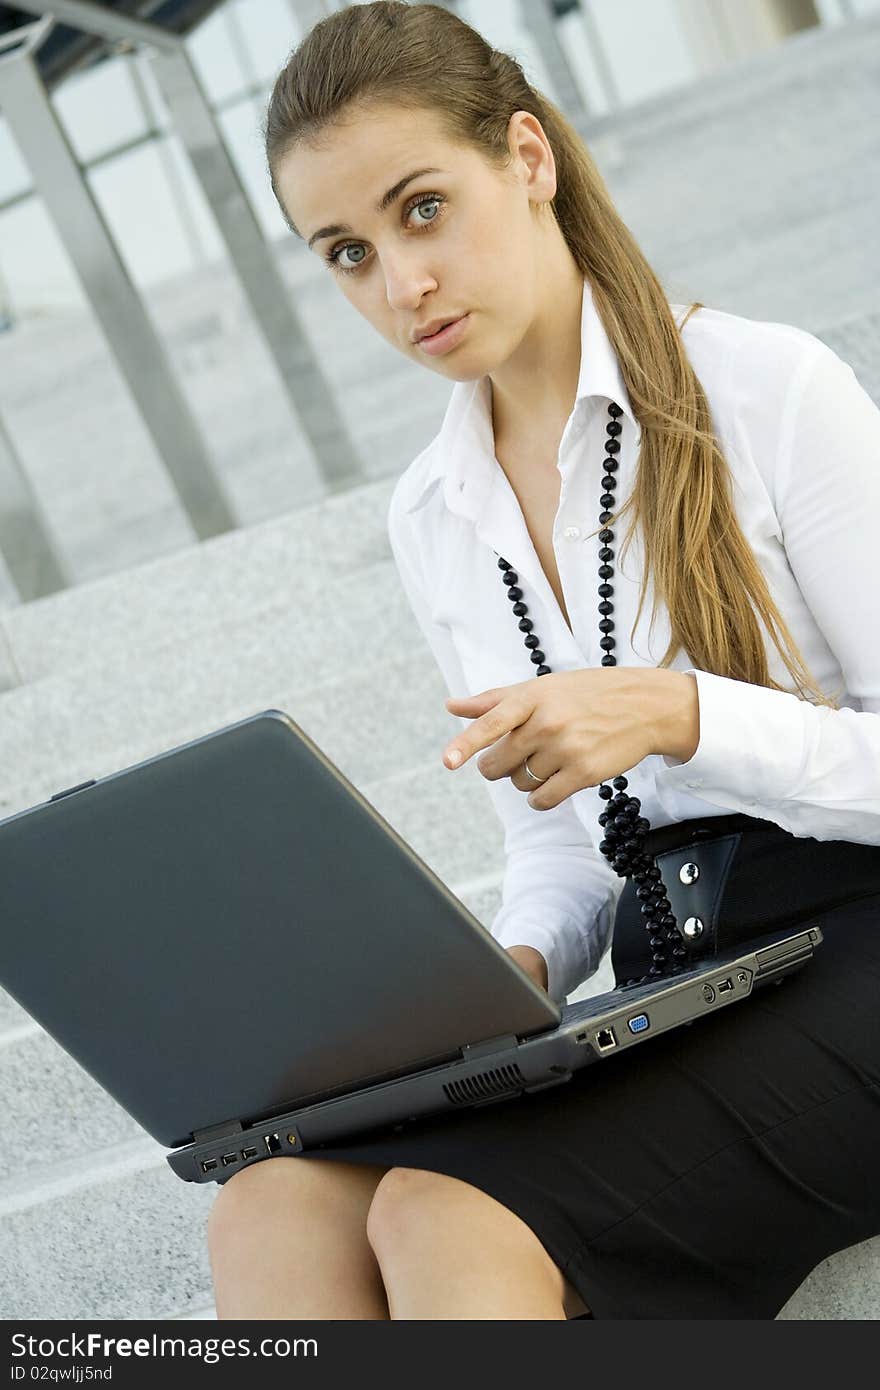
(703, 567)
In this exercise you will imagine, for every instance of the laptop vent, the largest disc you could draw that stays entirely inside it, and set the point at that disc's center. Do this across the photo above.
(484, 1085)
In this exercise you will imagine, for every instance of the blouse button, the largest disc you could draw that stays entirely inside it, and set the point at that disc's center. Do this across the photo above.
(571, 533)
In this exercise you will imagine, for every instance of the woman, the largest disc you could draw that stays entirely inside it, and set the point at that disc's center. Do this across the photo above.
(707, 1173)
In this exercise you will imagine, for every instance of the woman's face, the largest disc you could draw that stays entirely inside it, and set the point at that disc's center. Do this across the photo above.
(460, 241)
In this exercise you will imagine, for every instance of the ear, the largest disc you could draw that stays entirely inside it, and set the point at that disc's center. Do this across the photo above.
(534, 157)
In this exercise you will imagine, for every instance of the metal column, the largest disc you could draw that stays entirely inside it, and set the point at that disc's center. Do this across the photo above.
(129, 332)
(601, 63)
(259, 276)
(25, 539)
(260, 279)
(539, 19)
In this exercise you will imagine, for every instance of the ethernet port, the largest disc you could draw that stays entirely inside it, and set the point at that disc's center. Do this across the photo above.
(273, 1143)
(605, 1039)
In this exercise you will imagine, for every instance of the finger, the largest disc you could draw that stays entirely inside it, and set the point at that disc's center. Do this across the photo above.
(473, 705)
(491, 696)
(469, 707)
(521, 779)
(487, 729)
(554, 791)
(507, 759)
(486, 698)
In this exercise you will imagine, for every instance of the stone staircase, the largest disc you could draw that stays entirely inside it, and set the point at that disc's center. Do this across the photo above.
(161, 641)
(130, 1243)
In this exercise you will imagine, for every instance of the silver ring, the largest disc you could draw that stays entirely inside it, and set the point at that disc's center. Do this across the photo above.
(531, 774)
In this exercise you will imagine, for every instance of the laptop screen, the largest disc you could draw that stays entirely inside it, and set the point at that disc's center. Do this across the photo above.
(227, 928)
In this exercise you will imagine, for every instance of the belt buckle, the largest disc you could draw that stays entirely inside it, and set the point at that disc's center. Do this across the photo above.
(696, 900)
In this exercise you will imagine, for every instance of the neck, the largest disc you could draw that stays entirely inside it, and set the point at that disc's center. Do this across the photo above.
(533, 392)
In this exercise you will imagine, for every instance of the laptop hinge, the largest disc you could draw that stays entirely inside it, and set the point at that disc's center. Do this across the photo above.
(472, 1050)
(217, 1131)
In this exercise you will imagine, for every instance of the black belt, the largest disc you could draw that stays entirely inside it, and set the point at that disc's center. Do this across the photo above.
(730, 878)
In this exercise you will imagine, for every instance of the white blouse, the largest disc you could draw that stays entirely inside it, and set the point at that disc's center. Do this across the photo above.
(802, 440)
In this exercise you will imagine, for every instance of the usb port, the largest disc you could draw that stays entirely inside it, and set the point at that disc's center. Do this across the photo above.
(229, 1158)
(249, 1153)
(605, 1039)
(208, 1165)
(724, 986)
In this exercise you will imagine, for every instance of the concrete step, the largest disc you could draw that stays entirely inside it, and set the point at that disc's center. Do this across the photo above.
(756, 188)
(857, 340)
(287, 562)
(113, 1234)
(118, 1236)
(108, 499)
(379, 719)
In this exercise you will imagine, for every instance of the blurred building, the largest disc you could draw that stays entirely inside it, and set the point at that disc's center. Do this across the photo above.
(174, 364)
(604, 54)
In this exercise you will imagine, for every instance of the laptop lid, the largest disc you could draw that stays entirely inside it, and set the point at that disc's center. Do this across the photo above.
(231, 927)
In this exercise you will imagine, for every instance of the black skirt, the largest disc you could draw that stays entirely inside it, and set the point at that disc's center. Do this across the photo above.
(703, 1174)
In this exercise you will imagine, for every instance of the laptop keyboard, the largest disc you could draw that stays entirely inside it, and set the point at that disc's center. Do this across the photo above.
(621, 997)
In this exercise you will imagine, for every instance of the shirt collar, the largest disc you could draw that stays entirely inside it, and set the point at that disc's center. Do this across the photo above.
(466, 430)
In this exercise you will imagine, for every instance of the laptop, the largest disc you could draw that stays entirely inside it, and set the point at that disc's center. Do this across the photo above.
(234, 943)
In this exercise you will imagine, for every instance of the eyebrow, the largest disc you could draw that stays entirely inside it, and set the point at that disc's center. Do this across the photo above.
(384, 203)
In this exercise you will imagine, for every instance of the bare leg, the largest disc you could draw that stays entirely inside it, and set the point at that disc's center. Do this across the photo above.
(448, 1250)
(287, 1239)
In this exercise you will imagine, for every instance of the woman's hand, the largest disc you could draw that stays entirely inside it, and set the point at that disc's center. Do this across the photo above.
(531, 961)
(577, 728)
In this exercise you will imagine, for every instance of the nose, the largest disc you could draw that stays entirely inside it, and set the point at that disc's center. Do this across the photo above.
(407, 278)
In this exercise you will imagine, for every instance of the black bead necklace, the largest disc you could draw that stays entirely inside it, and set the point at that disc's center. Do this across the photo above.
(625, 829)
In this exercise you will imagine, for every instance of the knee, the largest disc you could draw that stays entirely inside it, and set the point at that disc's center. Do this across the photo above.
(405, 1200)
(253, 1194)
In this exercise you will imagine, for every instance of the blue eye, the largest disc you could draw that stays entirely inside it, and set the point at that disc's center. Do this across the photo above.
(332, 258)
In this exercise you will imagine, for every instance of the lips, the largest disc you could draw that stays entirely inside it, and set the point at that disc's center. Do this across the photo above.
(438, 328)
(445, 339)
